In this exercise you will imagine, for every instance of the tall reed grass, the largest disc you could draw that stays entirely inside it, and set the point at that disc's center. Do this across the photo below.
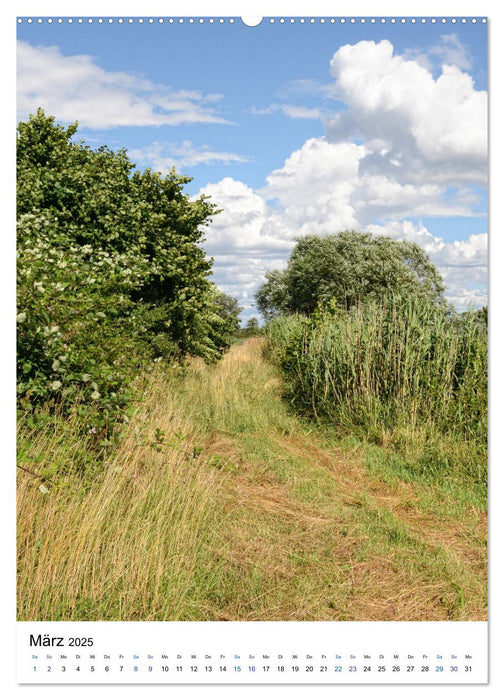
(402, 371)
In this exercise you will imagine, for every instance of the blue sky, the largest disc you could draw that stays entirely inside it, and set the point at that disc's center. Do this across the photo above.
(291, 128)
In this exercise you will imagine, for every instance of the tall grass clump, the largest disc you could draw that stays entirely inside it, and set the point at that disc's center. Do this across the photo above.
(401, 372)
(136, 543)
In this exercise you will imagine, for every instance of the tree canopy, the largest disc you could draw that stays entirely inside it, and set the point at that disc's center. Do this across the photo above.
(110, 268)
(347, 268)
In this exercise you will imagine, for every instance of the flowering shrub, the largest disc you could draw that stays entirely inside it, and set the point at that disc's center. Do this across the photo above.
(110, 273)
(77, 330)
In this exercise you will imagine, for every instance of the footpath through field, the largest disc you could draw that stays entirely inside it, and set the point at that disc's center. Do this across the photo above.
(308, 532)
(222, 504)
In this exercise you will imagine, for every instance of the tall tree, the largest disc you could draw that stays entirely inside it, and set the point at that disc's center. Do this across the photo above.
(110, 266)
(348, 268)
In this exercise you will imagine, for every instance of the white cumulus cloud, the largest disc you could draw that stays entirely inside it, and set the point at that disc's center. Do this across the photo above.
(435, 127)
(408, 145)
(315, 186)
(246, 239)
(246, 223)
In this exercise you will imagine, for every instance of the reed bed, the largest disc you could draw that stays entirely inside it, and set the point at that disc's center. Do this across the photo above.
(403, 373)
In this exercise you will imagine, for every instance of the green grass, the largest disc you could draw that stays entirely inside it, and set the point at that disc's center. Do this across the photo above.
(221, 503)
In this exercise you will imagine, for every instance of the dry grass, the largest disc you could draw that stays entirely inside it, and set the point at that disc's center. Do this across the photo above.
(133, 546)
(263, 521)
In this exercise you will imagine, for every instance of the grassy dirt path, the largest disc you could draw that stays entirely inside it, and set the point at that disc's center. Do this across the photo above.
(240, 510)
(312, 534)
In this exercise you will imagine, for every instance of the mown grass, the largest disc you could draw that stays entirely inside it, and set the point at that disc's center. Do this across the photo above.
(222, 504)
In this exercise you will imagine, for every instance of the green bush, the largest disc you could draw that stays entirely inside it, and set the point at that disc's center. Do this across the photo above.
(110, 273)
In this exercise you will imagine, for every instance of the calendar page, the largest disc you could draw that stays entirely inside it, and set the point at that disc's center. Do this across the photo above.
(252, 348)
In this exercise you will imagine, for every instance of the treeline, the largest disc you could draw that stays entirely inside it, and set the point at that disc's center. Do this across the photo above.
(368, 344)
(111, 275)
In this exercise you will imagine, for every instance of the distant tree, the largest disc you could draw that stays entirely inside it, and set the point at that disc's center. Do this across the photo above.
(479, 315)
(272, 297)
(252, 327)
(348, 268)
(228, 310)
